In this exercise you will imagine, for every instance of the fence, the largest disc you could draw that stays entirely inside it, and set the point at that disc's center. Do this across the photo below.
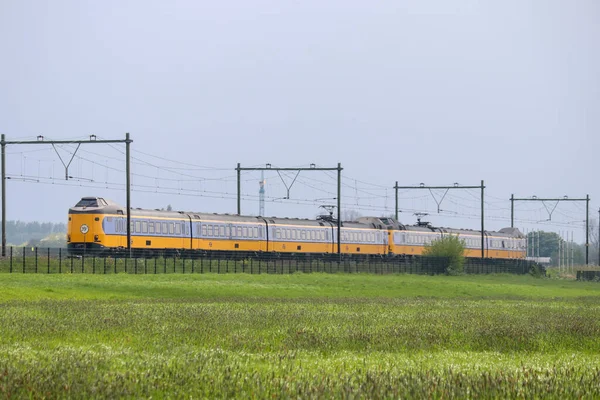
(54, 260)
(588, 276)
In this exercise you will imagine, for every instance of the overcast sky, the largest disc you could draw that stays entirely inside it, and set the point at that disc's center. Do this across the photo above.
(409, 91)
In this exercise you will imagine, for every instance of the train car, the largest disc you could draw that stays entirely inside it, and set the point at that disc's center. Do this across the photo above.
(99, 225)
(507, 243)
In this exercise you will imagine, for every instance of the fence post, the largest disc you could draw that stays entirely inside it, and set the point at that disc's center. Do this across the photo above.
(155, 261)
(48, 259)
(59, 259)
(104, 268)
(24, 250)
(36, 260)
(11, 259)
(82, 263)
(94, 265)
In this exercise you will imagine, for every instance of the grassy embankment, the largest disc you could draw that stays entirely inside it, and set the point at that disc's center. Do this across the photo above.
(297, 335)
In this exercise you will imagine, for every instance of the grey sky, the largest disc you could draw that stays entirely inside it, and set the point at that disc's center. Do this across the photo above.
(422, 91)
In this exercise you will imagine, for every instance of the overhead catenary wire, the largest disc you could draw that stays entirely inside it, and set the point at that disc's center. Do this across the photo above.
(364, 195)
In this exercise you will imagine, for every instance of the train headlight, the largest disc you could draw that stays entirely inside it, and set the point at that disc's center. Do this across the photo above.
(84, 229)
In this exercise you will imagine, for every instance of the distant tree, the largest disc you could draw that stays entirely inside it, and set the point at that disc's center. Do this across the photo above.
(546, 244)
(169, 208)
(22, 233)
(451, 247)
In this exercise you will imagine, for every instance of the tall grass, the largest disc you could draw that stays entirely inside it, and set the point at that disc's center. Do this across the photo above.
(317, 335)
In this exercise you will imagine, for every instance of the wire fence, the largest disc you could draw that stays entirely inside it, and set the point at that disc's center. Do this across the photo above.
(58, 261)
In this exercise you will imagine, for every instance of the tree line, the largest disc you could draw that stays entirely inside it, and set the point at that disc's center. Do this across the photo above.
(20, 233)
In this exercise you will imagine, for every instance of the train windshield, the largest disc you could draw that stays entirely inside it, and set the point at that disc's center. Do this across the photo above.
(87, 203)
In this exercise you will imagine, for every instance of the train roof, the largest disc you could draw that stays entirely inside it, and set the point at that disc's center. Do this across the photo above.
(100, 205)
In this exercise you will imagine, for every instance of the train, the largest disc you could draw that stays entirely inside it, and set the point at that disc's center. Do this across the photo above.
(98, 225)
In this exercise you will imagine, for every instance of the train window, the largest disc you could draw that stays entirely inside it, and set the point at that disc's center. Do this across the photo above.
(277, 233)
(164, 228)
(204, 232)
(157, 227)
(226, 231)
(312, 235)
(255, 232)
(222, 230)
(245, 231)
(171, 228)
(302, 234)
(209, 230)
(177, 229)
(503, 244)
(239, 231)
(137, 226)
(144, 226)
(150, 227)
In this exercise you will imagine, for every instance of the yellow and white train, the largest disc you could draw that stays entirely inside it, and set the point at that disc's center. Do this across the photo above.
(99, 225)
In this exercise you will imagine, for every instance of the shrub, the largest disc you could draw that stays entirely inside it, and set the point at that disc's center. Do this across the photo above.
(451, 247)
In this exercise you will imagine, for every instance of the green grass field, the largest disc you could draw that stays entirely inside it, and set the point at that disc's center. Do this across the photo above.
(299, 335)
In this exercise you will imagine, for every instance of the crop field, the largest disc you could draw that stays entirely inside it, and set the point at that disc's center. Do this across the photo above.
(298, 336)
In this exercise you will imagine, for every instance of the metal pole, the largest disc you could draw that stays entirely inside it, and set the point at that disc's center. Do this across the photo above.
(396, 187)
(512, 210)
(598, 236)
(239, 201)
(3, 196)
(587, 229)
(128, 184)
(339, 207)
(482, 223)
(559, 244)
